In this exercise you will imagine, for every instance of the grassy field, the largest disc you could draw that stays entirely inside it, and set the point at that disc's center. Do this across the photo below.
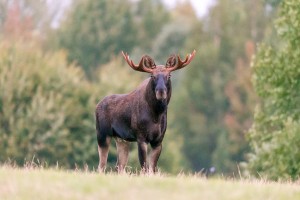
(57, 184)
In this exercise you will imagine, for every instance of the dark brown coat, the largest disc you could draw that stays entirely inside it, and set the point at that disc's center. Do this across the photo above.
(139, 116)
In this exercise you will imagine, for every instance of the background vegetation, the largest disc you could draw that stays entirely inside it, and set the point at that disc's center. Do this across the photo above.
(274, 136)
(53, 72)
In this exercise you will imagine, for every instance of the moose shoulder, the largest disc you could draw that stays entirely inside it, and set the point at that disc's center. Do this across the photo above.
(139, 116)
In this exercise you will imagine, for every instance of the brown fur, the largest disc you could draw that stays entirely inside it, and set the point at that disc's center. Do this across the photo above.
(140, 116)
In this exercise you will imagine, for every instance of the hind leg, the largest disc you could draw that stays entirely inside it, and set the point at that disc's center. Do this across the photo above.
(123, 151)
(103, 148)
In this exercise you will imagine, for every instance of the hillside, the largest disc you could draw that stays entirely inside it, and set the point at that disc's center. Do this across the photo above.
(57, 184)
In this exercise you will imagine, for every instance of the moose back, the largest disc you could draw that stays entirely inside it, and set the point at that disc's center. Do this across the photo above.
(139, 116)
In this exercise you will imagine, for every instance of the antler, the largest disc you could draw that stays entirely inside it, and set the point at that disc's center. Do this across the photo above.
(146, 64)
(172, 65)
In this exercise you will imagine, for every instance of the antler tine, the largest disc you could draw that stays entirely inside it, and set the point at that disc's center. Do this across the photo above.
(182, 63)
(129, 62)
(140, 67)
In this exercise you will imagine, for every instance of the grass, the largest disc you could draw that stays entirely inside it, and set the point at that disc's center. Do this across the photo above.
(22, 183)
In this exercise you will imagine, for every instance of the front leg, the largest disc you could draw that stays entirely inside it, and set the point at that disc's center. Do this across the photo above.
(142, 148)
(155, 153)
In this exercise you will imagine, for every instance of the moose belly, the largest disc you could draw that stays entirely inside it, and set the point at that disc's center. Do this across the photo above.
(122, 131)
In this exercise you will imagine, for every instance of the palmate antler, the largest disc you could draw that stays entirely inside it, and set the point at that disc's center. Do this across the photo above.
(175, 64)
(146, 64)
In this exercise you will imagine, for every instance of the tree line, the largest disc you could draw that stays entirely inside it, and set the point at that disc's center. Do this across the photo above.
(52, 78)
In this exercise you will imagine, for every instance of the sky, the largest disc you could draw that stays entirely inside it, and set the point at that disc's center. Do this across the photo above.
(200, 6)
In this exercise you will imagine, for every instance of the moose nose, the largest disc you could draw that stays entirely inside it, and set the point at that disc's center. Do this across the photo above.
(161, 93)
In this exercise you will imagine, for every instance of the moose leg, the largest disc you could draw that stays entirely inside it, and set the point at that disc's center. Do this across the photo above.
(142, 148)
(103, 148)
(155, 153)
(123, 151)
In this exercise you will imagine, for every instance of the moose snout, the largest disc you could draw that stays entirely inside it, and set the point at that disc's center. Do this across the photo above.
(161, 93)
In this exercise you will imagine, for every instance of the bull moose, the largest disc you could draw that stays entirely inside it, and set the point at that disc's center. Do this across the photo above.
(139, 116)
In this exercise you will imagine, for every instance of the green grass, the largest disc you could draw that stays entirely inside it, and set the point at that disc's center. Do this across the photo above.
(58, 184)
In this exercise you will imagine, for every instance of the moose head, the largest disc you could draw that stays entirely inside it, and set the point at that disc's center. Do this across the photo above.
(160, 74)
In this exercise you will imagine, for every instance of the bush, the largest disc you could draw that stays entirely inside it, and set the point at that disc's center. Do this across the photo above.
(46, 108)
(274, 136)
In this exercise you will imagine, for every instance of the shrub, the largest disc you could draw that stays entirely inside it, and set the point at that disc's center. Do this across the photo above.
(46, 108)
(274, 136)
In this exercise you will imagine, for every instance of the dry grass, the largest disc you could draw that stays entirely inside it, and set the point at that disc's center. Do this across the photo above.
(35, 182)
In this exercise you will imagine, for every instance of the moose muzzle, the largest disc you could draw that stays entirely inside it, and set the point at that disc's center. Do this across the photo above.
(161, 93)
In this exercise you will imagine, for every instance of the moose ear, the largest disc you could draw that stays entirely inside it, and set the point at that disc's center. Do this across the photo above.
(172, 60)
(148, 62)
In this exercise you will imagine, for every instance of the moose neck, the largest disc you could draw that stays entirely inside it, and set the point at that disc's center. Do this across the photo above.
(157, 106)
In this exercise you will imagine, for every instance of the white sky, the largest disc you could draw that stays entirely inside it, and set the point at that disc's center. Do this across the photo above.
(200, 6)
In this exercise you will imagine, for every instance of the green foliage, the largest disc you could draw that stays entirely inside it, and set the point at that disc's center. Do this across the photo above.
(274, 136)
(150, 18)
(195, 96)
(215, 90)
(46, 108)
(116, 77)
(274, 3)
(172, 39)
(96, 30)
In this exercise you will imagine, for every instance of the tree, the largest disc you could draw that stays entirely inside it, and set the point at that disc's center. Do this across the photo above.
(274, 136)
(45, 108)
(21, 19)
(171, 39)
(216, 88)
(95, 30)
(150, 18)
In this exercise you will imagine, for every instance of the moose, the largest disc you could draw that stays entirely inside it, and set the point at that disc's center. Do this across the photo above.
(139, 116)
